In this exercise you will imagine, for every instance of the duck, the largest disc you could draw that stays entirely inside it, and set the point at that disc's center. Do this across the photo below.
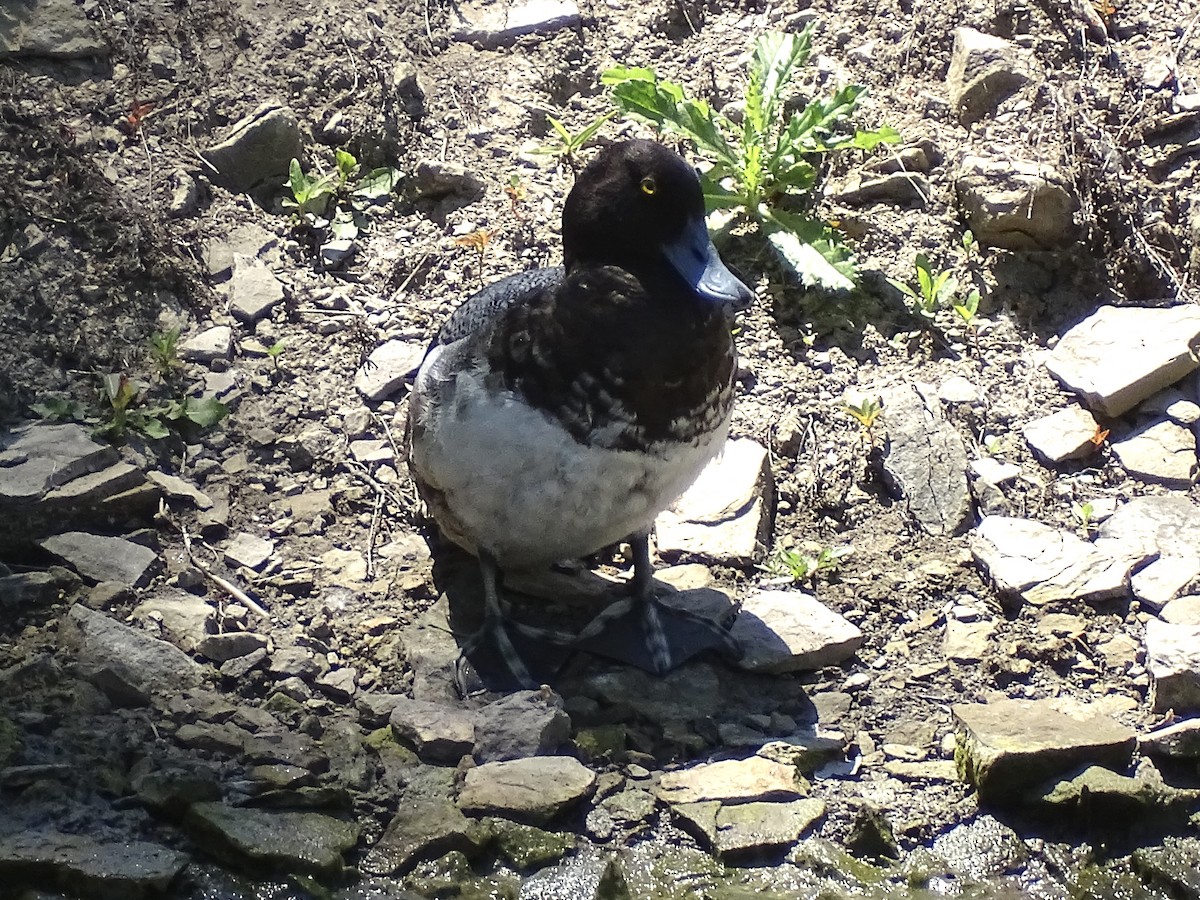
(558, 411)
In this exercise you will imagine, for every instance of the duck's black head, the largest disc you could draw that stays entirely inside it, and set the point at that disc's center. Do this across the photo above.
(639, 206)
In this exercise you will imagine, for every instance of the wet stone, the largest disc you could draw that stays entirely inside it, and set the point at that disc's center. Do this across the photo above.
(81, 864)
(1009, 746)
(527, 848)
(622, 811)
(422, 828)
(788, 631)
(287, 841)
(733, 831)
(1103, 792)
(1175, 866)
(589, 875)
(532, 790)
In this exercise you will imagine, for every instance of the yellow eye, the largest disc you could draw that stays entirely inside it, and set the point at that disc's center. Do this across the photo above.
(648, 186)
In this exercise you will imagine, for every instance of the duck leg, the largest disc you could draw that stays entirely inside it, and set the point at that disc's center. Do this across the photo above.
(504, 654)
(644, 632)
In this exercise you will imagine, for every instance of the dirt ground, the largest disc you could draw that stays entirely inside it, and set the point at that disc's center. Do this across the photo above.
(87, 173)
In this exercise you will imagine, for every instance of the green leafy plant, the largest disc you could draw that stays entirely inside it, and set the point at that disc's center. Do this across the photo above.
(966, 308)
(931, 291)
(59, 409)
(568, 144)
(766, 167)
(970, 246)
(866, 413)
(799, 566)
(275, 351)
(1083, 513)
(164, 353)
(336, 202)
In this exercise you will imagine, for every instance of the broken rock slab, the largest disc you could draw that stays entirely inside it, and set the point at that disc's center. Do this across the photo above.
(1017, 204)
(253, 291)
(126, 663)
(439, 734)
(926, 462)
(423, 828)
(733, 831)
(83, 865)
(1119, 356)
(726, 514)
(283, 841)
(99, 557)
(58, 29)
(386, 369)
(184, 619)
(789, 631)
(1162, 452)
(1041, 564)
(42, 456)
(984, 71)
(1160, 582)
(1007, 747)
(732, 781)
(1067, 434)
(532, 790)
(495, 24)
(210, 344)
(1155, 525)
(1173, 660)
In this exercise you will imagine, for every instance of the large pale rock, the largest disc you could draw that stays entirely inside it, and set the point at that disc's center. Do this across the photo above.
(439, 734)
(253, 291)
(926, 462)
(248, 550)
(726, 515)
(532, 790)
(423, 828)
(385, 370)
(1161, 452)
(491, 25)
(86, 866)
(1119, 356)
(788, 631)
(1160, 582)
(1182, 610)
(1017, 205)
(126, 663)
(1173, 660)
(210, 344)
(54, 28)
(732, 781)
(1066, 434)
(102, 558)
(1041, 564)
(184, 619)
(260, 146)
(984, 71)
(1007, 747)
(1166, 525)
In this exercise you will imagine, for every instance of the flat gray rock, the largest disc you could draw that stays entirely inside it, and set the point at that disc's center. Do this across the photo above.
(125, 662)
(789, 631)
(439, 734)
(55, 28)
(926, 462)
(286, 841)
(1041, 564)
(249, 550)
(84, 865)
(1017, 204)
(222, 251)
(177, 488)
(725, 515)
(220, 648)
(258, 147)
(1066, 434)
(1164, 524)
(253, 291)
(1007, 747)
(525, 723)
(1161, 452)
(1160, 582)
(733, 831)
(184, 619)
(1173, 660)
(755, 778)
(385, 369)
(532, 790)
(44, 456)
(102, 558)
(96, 486)
(984, 71)
(1119, 356)
(210, 344)
(423, 828)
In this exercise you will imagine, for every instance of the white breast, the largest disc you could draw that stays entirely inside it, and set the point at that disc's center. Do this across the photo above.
(518, 485)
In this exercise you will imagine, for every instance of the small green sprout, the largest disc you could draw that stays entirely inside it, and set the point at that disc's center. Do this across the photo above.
(866, 413)
(931, 291)
(275, 351)
(1083, 517)
(788, 562)
(970, 246)
(337, 202)
(569, 144)
(164, 354)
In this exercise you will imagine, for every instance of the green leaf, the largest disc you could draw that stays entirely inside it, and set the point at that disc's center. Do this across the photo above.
(776, 55)
(152, 427)
(589, 131)
(206, 412)
(297, 180)
(819, 264)
(377, 183)
(347, 165)
(869, 140)
(561, 129)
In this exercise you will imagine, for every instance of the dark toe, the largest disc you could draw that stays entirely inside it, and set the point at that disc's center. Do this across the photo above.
(654, 637)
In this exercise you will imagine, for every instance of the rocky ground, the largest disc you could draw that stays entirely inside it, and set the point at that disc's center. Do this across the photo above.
(225, 662)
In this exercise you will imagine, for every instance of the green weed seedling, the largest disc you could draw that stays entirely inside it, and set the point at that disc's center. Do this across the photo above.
(866, 413)
(164, 354)
(966, 309)
(569, 144)
(275, 351)
(126, 408)
(931, 291)
(768, 165)
(787, 562)
(1083, 517)
(337, 202)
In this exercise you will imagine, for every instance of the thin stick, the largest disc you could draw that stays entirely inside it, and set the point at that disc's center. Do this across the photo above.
(225, 585)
